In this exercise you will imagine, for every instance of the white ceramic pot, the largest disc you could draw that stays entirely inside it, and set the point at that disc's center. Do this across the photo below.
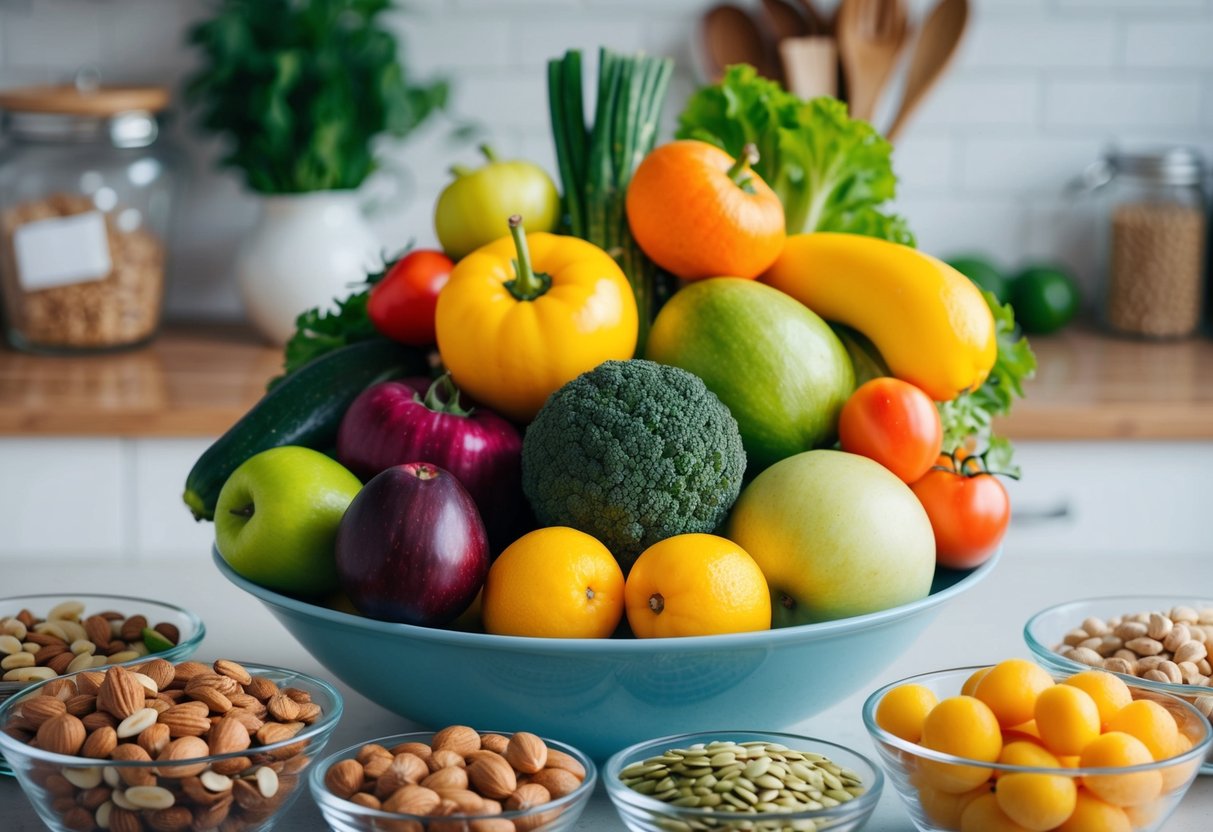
(306, 250)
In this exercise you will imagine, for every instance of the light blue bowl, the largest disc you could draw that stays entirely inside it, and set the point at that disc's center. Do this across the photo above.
(602, 695)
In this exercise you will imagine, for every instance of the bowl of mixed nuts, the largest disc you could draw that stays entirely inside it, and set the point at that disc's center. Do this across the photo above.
(159, 746)
(1158, 643)
(742, 780)
(457, 778)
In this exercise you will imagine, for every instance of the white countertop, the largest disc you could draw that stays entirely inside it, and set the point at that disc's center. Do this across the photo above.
(982, 626)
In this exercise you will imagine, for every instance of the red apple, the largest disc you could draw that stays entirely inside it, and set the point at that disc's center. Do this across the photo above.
(411, 547)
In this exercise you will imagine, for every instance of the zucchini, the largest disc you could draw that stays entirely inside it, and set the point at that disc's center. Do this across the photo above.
(304, 408)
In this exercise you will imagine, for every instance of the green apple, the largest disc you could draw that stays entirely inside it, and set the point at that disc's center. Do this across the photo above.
(836, 535)
(277, 515)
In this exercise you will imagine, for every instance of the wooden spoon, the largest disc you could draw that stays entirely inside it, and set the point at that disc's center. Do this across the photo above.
(934, 51)
(819, 24)
(871, 34)
(730, 36)
(784, 20)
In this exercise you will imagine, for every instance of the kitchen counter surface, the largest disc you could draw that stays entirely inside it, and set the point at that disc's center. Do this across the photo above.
(979, 627)
(196, 381)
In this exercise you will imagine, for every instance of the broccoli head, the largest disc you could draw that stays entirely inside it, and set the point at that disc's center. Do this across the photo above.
(633, 452)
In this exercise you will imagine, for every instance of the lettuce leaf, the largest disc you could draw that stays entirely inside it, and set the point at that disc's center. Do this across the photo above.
(831, 172)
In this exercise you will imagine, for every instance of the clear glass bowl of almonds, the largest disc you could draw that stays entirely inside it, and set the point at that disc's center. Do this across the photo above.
(457, 778)
(725, 780)
(163, 746)
(1158, 643)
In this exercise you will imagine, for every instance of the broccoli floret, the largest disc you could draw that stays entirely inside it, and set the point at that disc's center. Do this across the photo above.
(633, 452)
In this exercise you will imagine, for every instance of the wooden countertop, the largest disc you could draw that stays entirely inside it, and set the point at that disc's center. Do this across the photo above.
(198, 380)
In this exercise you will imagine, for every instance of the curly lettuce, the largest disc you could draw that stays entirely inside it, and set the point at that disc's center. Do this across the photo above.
(831, 172)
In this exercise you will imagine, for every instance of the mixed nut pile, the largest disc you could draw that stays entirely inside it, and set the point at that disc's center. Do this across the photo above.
(35, 649)
(172, 716)
(460, 773)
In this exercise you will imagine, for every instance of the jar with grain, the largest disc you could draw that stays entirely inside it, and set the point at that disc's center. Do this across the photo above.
(85, 193)
(1153, 269)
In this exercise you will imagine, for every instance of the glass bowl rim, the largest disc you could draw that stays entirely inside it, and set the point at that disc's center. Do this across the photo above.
(321, 726)
(1196, 753)
(326, 799)
(1048, 656)
(619, 792)
(192, 642)
(611, 646)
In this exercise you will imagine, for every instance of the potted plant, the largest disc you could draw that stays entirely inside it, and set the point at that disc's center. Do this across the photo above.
(299, 90)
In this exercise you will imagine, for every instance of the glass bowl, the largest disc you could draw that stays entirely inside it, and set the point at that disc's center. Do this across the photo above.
(604, 694)
(346, 816)
(1048, 627)
(642, 813)
(915, 771)
(72, 793)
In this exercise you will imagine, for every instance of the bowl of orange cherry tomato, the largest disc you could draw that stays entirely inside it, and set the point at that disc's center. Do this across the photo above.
(1014, 746)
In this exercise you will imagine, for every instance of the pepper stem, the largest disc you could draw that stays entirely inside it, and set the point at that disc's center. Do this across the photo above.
(443, 397)
(526, 285)
(488, 152)
(740, 172)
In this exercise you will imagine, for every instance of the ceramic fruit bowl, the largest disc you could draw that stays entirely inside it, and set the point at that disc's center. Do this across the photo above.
(1047, 630)
(604, 694)
(645, 813)
(246, 789)
(342, 815)
(937, 787)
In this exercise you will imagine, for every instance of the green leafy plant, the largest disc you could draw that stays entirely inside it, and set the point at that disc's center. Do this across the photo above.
(301, 88)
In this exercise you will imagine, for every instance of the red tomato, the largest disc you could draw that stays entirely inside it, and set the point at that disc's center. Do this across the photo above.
(969, 513)
(402, 305)
(894, 423)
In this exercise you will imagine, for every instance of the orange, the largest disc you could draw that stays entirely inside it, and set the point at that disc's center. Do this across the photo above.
(970, 685)
(1093, 815)
(902, 710)
(963, 727)
(1151, 723)
(1109, 692)
(1115, 749)
(696, 585)
(1035, 801)
(554, 583)
(1067, 718)
(1011, 688)
(698, 213)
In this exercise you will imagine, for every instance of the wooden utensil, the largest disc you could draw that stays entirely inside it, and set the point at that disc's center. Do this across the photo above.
(871, 34)
(784, 20)
(730, 36)
(936, 46)
(810, 66)
(819, 23)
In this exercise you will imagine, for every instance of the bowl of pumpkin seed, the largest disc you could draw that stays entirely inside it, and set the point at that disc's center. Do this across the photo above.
(734, 780)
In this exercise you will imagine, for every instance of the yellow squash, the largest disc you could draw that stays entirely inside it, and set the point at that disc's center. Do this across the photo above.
(522, 316)
(929, 322)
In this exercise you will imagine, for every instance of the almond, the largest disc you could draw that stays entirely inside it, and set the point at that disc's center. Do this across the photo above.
(365, 800)
(261, 688)
(557, 781)
(298, 694)
(39, 709)
(458, 738)
(94, 797)
(172, 819)
(132, 628)
(184, 671)
(526, 752)
(169, 631)
(132, 776)
(282, 708)
(98, 719)
(492, 777)
(373, 749)
(491, 825)
(558, 759)
(344, 778)
(249, 703)
(211, 697)
(377, 765)
(228, 736)
(62, 734)
(309, 712)
(444, 758)
(199, 794)
(182, 748)
(212, 680)
(249, 797)
(63, 689)
(233, 670)
(210, 816)
(82, 704)
(78, 819)
(89, 681)
(452, 777)
(274, 732)
(159, 671)
(413, 800)
(232, 766)
(120, 693)
(251, 722)
(494, 742)
(100, 743)
(185, 721)
(98, 630)
(524, 797)
(418, 749)
(154, 738)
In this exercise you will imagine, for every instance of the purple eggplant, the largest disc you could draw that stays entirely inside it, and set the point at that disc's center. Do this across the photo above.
(411, 547)
(416, 420)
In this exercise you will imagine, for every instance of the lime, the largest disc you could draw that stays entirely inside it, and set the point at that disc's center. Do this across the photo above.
(1045, 299)
(983, 273)
(156, 642)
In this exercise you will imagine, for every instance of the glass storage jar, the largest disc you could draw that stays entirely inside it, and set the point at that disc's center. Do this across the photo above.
(85, 194)
(1153, 219)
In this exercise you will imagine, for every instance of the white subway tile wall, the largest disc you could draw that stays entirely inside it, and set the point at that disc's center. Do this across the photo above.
(1039, 88)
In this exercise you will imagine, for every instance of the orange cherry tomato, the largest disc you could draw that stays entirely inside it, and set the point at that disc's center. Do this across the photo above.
(894, 423)
(402, 305)
(969, 511)
(698, 213)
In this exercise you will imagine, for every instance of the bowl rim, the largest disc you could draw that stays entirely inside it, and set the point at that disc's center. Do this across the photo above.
(757, 639)
(318, 728)
(861, 805)
(187, 644)
(1196, 753)
(322, 795)
(1047, 656)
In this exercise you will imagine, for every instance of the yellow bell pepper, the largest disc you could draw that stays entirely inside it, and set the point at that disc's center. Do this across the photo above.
(929, 322)
(524, 315)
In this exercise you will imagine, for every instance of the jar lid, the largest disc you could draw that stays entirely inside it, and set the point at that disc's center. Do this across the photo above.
(1166, 166)
(78, 100)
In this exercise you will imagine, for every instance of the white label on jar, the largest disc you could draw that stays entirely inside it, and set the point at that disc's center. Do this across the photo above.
(62, 251)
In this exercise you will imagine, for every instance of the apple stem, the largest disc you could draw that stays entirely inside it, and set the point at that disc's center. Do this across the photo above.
(657, 602)
(243, 511)
(443, 397)
(787, 602)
